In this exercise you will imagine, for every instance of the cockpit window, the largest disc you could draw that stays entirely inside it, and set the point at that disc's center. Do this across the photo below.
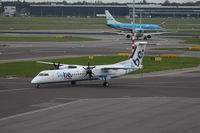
(43, 74)
(71, 67)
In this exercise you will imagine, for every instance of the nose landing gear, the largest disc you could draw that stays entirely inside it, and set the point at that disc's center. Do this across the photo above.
(37, 85)
(105, 83)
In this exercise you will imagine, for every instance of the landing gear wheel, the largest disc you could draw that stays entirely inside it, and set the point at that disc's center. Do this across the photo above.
(73, 83)
(105, 84)
(38, 86)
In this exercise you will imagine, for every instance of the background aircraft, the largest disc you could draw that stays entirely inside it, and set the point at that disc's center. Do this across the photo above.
(140, 29)
(74, 73)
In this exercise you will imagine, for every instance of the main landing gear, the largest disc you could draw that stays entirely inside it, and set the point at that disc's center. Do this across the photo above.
(37, 85)
(105, 83)
(73, 83)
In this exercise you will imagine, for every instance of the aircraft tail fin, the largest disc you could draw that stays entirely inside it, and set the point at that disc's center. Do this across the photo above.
(110, 19)
(138, 49)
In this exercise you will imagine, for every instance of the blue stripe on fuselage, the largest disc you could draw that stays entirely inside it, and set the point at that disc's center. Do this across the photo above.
(137, 26)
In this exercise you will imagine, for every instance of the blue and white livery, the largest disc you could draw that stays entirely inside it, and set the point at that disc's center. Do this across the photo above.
(139, 28)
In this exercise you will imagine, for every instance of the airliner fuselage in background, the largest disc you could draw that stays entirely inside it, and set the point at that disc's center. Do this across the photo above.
(140, 29)
(129, 27)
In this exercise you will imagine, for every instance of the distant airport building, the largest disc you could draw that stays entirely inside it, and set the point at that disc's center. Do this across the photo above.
(77, 10)
(154, 10)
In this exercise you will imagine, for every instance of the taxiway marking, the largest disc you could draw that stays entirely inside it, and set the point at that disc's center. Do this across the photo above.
(38, 111)
(16, 89)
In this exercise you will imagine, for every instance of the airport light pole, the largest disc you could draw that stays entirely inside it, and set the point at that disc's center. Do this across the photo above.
(133, 19)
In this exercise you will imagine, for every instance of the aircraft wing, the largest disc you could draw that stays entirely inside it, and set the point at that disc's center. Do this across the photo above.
(115, 68)
(155, 33)
(48, 63)
(107, 75)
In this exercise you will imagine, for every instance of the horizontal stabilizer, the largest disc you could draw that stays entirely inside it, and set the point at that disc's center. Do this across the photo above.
(145, 43)
(155, 33)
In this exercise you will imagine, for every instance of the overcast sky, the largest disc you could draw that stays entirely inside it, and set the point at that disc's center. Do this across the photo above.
(119, 1)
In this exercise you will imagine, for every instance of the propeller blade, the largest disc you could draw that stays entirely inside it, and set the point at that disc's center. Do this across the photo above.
(56, 65)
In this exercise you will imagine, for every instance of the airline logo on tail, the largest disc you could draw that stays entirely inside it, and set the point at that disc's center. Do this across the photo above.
(137, 61)
(138, 53)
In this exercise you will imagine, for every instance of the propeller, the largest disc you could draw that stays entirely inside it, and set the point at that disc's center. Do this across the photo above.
(56, 65)
(89, 70)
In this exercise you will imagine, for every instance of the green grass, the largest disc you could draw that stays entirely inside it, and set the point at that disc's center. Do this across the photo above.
(44, 39)
(175, 49)
(174, 26)
(168, 63)
(189, 31)
(31, 68)
(50, 23)
(50, 27)
(65, 20)
(191, 28)
(50, 20)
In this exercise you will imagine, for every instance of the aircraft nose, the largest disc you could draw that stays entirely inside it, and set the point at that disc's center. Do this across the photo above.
(160, 28)
(34, 80)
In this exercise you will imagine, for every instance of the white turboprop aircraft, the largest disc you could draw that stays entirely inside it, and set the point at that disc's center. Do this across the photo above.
(74, 73)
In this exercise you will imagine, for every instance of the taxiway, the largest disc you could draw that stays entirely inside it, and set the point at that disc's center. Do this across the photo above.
(167, 101)
(141, 103)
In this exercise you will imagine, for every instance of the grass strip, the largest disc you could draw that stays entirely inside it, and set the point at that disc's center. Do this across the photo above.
(181, 27)
(175, 49)
(45, 39)
(31, 68)
(79, 20)
(50, 27)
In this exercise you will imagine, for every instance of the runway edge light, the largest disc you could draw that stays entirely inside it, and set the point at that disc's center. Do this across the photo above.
(194, 48)
(59, 36)
(156, 58)
(90, 57)
(170, 55)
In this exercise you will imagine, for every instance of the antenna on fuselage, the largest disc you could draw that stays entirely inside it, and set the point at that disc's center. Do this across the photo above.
(133, 28)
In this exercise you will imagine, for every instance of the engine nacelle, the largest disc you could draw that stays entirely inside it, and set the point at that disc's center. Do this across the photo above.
(128, 36)
(148, 36)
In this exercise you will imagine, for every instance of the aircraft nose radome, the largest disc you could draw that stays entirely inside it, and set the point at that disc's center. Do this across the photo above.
(34, 81)
(158, 27)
